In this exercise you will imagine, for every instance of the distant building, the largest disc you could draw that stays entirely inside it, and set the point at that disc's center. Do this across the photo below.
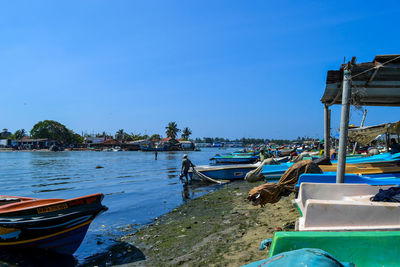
(203, 144)
(187, 145)
(94, 140)
(234, 144)
(4, 142)
(5, 133)
(27, 143)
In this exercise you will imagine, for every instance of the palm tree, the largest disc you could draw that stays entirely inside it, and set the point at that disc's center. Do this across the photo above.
(119, 135)
(172, 130)
(19, 134)
(155, 137)
(186, 133)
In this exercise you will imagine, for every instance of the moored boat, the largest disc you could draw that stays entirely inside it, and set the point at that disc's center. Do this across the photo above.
(225, 172)
(235, 159)
(274, 172)
(58, 225)
(371, 179)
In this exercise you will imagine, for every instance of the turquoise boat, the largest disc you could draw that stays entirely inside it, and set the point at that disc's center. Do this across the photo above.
(364, 248)
(371, 179)
(235, 159)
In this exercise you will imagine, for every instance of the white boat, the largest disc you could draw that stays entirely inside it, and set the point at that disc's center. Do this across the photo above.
(225, 172)
(345, 207)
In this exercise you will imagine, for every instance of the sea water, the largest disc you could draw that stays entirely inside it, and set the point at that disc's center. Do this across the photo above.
(137, 187)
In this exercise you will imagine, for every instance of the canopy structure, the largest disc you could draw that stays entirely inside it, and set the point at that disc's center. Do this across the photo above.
(375, 83)
(365, 135)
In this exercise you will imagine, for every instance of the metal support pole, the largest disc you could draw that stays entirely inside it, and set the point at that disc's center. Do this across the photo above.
(327, 128)
(344, 124)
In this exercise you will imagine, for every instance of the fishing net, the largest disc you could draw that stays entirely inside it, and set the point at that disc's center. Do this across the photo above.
(255, 175)
(272, 192)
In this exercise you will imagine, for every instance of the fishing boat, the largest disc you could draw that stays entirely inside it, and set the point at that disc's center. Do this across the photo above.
(274, 172)
(57, 225)
(235, 158)
(363, 248)
(371, 179)
(225, 172)
(148, 148)
(345, 207)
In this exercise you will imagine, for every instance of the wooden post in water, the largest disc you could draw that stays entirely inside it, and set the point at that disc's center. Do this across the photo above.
(344, 124)
(327, 128)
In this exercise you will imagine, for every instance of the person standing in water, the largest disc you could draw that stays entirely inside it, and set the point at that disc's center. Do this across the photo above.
(186, 164)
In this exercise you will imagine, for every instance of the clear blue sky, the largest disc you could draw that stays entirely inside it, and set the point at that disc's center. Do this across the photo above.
(222, 68)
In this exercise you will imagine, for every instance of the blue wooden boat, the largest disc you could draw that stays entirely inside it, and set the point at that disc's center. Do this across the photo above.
(235, 159)
(225, 172)
(58, 225)
(274, 172)
(371, 179)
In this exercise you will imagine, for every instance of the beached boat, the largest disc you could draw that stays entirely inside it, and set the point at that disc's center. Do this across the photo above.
(225, 172)
(58, 225)
(363, 248)
(371, 179)
(345, 207)
(274, 172)
(364, 168)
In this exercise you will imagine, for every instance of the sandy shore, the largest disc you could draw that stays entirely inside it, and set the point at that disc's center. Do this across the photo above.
(219, 229)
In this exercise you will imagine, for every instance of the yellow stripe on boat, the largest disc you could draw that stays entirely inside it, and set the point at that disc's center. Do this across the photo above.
(44, 237)
(360, 169)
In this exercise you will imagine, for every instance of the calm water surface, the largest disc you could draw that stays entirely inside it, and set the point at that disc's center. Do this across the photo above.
(137, 187)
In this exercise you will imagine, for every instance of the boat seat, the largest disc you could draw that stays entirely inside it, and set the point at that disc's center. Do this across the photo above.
(8, 200)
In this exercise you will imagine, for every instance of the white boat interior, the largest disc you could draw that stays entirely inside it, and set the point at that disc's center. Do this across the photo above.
(345, 207)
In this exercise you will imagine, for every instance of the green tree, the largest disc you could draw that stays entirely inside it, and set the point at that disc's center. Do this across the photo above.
(186, 133)
(77, 138)
(155, 137)
(52, 130)
(119, 135)
(128, 137)
(19, 134)
(172, 130)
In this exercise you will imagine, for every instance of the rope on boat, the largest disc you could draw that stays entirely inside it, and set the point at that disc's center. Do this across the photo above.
(205, 178)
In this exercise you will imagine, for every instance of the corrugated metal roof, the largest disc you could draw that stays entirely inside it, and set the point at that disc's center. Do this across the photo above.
(372, 84)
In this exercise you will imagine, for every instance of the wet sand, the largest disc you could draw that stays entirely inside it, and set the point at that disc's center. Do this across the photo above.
(219, 229)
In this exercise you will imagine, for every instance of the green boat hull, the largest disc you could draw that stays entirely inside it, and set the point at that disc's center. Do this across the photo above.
(366, 248)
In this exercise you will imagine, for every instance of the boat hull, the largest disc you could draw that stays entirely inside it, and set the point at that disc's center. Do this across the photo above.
(52, 224)
(235, 160)
(273, 172)
(371, 179)
(226, 172)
